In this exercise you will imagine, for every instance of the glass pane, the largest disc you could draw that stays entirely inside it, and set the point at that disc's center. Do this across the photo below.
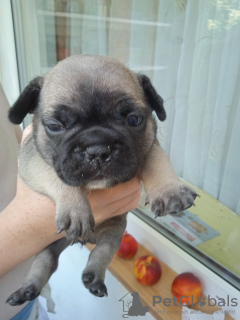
(191, 52)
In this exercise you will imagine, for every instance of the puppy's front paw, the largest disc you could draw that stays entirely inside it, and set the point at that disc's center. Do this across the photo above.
(93, 284)
(172, 199)
(77, 223)
(25, 293)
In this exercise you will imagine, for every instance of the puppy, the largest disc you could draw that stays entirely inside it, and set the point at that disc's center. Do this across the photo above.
(92, 128)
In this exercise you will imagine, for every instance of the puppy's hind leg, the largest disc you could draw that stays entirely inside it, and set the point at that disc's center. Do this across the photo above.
(44, 264)
(108, 238)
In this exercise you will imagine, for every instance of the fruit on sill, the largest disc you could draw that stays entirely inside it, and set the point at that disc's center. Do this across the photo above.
(147, 270)
(128, 247)
(187, 288)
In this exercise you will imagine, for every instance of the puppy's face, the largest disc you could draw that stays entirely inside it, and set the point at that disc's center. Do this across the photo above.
(93, 121)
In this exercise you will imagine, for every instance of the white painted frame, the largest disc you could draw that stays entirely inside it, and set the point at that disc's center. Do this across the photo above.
(8, 59)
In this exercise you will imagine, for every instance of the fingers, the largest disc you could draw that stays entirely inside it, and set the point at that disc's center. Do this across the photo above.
(124, 189)
(127, 204)
(105, 197)
(116, 208)
(107, 203)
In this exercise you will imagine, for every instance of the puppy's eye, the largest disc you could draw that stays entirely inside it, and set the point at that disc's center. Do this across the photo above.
(54, 128)
(134, 120)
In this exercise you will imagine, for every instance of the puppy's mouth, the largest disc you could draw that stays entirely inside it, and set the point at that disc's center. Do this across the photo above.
(98, 158)
(98, 181)
(84, 178)
(99, 177)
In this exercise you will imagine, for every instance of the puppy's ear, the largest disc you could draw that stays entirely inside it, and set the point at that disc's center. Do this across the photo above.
(153, 98)
(27, 101)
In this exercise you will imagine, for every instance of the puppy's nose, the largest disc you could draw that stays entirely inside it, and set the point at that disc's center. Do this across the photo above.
(99, 153)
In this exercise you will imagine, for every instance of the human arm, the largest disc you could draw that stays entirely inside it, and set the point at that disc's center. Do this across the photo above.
(27, 224)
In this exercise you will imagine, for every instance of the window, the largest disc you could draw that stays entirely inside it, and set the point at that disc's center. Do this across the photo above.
(191, 51)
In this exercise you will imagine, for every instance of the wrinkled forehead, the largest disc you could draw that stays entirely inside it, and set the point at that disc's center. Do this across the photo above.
(75, 81)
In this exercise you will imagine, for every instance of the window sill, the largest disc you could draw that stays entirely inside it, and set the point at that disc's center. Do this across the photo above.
(173, 261)
(123, 271)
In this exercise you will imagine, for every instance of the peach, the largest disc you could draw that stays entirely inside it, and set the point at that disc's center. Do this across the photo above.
(187, 288)
(128, 247)
(147, 270)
